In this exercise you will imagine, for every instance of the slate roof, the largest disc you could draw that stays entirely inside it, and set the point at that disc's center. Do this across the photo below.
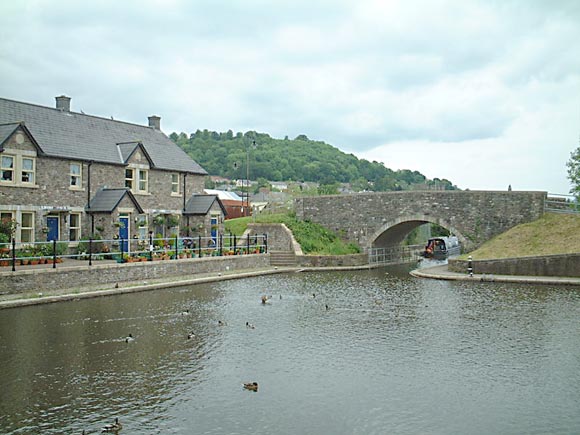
(107, 200)
(78, 136)
(6, 130)
(200, 204)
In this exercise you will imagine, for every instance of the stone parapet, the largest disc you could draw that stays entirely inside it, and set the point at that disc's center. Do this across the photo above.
(332, 260)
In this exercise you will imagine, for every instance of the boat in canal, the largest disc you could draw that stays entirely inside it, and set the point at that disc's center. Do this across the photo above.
(441, 248)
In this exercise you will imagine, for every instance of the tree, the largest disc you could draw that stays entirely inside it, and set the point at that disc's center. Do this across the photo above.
(574, 172)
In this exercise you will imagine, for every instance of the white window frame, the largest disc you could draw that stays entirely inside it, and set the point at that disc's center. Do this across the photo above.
(139, 180)
(129, 181)
(17, 169)
(143, 181)
(11, 169)
(31, 172)
(74, 231)
(28, 229)
(76, 176)
(143, 227)
(175, 184)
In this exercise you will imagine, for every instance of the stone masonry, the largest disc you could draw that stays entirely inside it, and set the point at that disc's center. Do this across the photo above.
(384, 219)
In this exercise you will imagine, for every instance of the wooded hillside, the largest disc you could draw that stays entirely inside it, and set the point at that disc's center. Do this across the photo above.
(299, 159)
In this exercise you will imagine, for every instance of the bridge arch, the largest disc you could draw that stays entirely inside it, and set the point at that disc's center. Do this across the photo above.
(393, 232)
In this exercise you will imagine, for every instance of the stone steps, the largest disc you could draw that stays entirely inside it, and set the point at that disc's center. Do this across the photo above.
(282, 258)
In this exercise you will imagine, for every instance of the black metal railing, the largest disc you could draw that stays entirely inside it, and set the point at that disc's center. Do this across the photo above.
(16, 254)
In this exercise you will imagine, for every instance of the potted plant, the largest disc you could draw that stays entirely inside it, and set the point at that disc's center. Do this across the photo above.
(172, 221)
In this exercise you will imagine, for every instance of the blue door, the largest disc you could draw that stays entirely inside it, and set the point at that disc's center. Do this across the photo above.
(214, 231)
(124, 233)
(52, 225)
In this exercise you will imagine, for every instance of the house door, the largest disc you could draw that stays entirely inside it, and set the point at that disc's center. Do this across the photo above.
(124, 233)
(214, 231)
(52, 225)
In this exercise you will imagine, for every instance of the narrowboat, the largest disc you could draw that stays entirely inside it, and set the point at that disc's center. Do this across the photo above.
(441, 248)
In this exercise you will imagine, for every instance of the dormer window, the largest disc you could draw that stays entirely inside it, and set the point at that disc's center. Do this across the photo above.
(129, 177)
(7, 169)
(27, 170)
(137, 179)
(17, 169)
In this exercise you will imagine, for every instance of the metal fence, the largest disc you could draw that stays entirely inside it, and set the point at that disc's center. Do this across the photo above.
(557, 203)
(395, 255)
(17, 254)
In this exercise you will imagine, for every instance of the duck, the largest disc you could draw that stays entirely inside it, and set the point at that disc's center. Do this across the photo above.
(185, 313)
(114, 427)
(220, 323)
(252, 386)
(190, 335)
(129, 338)
(264, 299)
(249, 325)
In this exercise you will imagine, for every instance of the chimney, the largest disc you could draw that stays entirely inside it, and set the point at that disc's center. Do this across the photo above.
(63, 103)
(155, 122)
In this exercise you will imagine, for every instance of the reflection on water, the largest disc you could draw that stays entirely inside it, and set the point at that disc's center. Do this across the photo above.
(369, 352)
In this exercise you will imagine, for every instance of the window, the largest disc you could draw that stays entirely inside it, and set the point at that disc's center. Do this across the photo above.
(129, 174)
(74, 232)
(175, 183)
(27, 228)
(137, 180)
(142, 181)
(7, 169)
(27, 170)
(142, 227)
(17, 169)
(75, 175)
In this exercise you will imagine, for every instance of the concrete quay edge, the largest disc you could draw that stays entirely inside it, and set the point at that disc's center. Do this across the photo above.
(442, 273)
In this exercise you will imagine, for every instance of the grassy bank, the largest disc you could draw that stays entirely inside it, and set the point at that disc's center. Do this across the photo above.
(313, 238)
(552, 234)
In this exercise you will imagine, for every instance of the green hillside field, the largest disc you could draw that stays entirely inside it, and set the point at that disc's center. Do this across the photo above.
(552, 234)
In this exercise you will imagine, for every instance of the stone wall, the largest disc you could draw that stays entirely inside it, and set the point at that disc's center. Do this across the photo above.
(553, 265)
(383, 219)
(280, 238)
(99, 276)
(332, 260)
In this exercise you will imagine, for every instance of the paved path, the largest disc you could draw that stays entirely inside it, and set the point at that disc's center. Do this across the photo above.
(442, 272)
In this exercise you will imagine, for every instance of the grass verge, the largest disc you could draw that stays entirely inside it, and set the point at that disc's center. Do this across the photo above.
(552, 234)
(313, 238)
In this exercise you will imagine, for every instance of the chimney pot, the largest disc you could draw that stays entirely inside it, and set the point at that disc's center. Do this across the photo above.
(63, 103)
(155, 122)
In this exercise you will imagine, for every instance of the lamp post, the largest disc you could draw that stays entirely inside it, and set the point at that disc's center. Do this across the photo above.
(248, 175)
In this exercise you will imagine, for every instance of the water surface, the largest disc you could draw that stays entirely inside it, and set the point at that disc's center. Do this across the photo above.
(391, 354)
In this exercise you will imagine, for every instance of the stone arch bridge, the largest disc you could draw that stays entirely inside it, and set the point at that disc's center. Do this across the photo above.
(384, 219)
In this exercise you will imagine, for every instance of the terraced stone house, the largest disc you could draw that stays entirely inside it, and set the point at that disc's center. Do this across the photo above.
(65, 175)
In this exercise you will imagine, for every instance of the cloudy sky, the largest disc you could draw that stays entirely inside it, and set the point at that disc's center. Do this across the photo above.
(483, 93)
